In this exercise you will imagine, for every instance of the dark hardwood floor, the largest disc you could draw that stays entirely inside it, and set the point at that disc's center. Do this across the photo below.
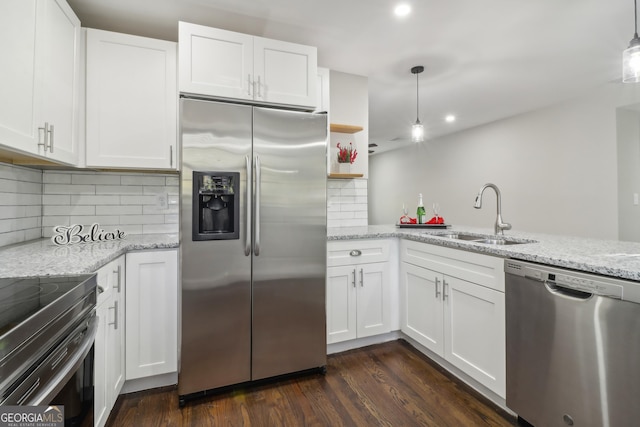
(389, 384)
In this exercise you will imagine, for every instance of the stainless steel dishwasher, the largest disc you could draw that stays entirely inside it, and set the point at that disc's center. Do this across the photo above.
(573, 347)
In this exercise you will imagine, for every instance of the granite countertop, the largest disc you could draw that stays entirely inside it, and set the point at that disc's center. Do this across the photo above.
(607, 257)
(38, 258)
(613, 258)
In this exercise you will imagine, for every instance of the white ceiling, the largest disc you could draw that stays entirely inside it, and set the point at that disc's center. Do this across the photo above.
(484, 60)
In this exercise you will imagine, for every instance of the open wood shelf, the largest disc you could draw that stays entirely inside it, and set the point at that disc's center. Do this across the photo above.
(345, 175)
(334, 127)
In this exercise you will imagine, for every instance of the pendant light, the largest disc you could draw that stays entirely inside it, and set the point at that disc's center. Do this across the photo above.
(417, 130)
(631, 56)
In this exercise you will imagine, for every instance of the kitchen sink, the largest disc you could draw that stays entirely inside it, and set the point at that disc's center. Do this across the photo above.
(485, 240)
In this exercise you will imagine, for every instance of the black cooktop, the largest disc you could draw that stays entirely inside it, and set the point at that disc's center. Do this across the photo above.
(22, 298)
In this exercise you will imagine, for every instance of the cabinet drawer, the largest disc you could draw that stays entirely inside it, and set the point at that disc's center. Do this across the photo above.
(347, 252)
(482, 269)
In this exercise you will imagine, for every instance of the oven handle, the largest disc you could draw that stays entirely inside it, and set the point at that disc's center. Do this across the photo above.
(50, 390)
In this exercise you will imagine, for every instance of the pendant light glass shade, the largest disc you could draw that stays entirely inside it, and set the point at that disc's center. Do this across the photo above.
(631, 55)
(417, 130)
(631, 62)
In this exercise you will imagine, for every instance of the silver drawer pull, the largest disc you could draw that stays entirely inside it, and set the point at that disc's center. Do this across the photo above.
(355, 252)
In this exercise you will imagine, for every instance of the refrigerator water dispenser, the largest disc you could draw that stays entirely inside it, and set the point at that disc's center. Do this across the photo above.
(216, 205)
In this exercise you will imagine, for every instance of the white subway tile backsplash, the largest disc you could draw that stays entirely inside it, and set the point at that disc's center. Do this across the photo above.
(171, 219)
(143, 180)
(50, 220)
(95, 219)
(69, 189)
(20, 204)
(125, 201)
(159, 228)
(68, 210)
(347, 203)
(137, 200)
(94, 200)
(33, 201)
(119, 189)
(141, 219)
(57, 199)
(118, 209)
(103, 179)
(56, 178)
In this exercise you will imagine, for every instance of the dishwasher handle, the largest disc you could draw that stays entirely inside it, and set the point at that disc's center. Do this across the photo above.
(565, 292)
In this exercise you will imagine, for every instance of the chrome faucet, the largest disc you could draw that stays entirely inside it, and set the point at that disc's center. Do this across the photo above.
(499, 226)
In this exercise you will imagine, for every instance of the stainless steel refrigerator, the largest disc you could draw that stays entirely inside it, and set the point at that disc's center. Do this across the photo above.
(253, 243)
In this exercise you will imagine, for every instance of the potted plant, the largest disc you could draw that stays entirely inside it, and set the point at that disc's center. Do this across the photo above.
(346, 156)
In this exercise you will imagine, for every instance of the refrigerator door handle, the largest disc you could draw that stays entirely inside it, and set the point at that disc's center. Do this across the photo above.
(256, 248)
(247, 231)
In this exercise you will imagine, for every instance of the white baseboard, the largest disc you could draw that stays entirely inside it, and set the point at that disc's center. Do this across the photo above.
(139, 384)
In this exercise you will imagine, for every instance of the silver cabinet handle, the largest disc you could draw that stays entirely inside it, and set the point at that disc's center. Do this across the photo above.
(361, 278)
(45, 136)
(256, 249)
(259, 91)
(355, 252)
(354, 278)
(171, 156)
(249, 84)
(115, 315)
(247, 231)
(444, 289)
(437, 291)
(100, 290)
(118, 285)
(50, 138)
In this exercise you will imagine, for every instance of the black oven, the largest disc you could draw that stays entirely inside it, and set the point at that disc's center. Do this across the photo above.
(47, 332)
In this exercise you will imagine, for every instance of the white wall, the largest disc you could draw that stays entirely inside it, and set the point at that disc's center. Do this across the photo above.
(349, 105)
(556, 168)
(628, 127)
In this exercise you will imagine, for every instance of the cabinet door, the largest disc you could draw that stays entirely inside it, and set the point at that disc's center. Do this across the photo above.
(18, 127)
(115, 333)
(58, 59)
(131, 101)
(215, 62)
(373, 301)
(284, 73)
(341, 304)
(151, 313)
(101, 388)
(421, 311)
(475, 332)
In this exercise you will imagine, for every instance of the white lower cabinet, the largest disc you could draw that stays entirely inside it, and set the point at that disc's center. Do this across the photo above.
(109, 347)
(358, 292)
(452, 302)
(151, 313)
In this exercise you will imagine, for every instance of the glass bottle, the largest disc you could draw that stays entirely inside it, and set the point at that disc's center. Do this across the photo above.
(421, 214)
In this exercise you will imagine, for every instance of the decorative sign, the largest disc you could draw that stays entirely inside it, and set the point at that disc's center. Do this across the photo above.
(70, 235)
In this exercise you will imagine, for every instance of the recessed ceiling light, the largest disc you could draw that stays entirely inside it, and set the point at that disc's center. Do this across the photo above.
(450, 118)
(402, 10)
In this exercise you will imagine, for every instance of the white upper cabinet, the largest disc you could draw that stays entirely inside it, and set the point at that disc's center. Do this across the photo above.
(215, 62)
(131, 102)
(39, 91)
(225, 64)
